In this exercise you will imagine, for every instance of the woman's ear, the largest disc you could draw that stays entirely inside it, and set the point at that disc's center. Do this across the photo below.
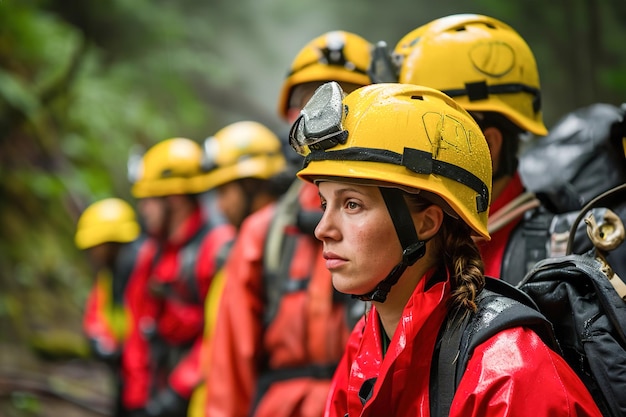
(428, 221)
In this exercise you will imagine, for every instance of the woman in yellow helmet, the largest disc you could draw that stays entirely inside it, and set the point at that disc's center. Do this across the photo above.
(404, 177)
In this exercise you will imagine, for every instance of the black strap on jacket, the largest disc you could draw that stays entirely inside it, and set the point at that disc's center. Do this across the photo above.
(500, 306)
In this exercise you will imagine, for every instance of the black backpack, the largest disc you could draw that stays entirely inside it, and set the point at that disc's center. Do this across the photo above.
(586, 304)
(569, 302)
(581, 158)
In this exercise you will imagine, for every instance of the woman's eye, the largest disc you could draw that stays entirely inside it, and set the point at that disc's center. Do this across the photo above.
(352, 205)
(323, 205)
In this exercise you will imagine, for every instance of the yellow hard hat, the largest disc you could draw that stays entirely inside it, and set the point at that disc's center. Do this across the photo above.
(172, 166)
(482, 63)
(407, 42)
(334, 56)
(406, 136)
(108, 220)
(240, 150)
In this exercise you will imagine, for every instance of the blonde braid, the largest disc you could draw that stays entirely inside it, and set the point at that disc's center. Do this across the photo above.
(463, 260)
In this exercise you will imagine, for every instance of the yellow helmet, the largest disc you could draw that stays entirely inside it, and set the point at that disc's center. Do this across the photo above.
(407, 42)
(172, 166)
(334, 56)
(108, 220)
(244, 149)
(482, 63)
(409, 136)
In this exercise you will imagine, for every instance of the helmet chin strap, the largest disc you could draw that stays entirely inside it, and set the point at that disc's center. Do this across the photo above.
(412, 247)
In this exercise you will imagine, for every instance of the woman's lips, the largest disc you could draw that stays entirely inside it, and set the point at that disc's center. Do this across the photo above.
(333, 261)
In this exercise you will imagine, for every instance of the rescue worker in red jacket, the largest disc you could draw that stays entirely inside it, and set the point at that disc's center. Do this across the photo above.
(487, 67)
(166, 297)
(281, 329)
(245, 166)
(110, 234)
(404, 176)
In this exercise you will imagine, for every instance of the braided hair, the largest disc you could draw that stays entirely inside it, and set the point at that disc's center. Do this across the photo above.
(459, 254)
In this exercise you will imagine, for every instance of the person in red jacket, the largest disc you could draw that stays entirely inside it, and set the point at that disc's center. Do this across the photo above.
(111, 236)
(488, 68)
(281, 329)
(161, 358)
(404, 177)
(245, 166)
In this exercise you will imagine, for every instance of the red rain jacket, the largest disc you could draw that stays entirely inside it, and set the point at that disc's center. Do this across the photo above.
(308, 329)
(167, 307)
(512, 374)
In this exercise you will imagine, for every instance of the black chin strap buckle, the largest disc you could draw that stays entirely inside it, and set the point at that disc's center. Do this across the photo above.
(413, 252)
(410, 255)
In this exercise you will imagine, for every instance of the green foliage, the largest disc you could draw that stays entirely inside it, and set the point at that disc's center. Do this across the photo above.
(70, 111)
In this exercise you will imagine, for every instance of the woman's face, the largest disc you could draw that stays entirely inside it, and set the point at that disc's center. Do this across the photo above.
(360, 243)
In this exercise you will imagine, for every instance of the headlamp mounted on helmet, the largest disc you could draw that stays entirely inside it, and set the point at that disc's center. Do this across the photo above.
(332, 54)
(319, 125)
(210, 151)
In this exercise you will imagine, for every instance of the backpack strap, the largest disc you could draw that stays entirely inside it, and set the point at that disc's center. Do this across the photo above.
(278, 254)
(124, 267)
(527, 244)
(500, 306)
(188, 262)
(512, 211)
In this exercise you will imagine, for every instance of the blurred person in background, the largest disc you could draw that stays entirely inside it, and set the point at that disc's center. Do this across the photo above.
(281, 328)
(490, 70)
(161, 359)
(108, 231)
(245, 163)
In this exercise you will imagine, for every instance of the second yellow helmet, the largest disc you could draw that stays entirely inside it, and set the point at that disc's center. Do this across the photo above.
(482, 63)
(240, 150)
(108, 220)
(170, 167)
(334, 56)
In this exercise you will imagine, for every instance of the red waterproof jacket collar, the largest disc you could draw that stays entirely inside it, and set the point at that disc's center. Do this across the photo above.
(512, 374)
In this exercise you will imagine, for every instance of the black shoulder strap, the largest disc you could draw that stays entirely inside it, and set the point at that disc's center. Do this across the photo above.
(443, 369)
(500, 306)
(189, 260)
(124, 266)
(279, 249)
(528, 243)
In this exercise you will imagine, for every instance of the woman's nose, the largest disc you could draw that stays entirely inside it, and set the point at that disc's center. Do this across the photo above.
(325, 229)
